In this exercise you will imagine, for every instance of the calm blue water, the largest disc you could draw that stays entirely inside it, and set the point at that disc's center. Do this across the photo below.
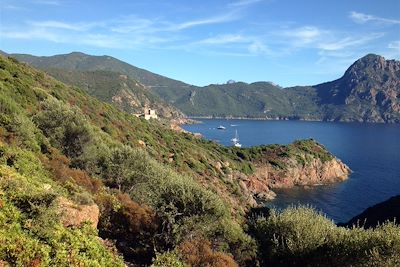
(372, 151)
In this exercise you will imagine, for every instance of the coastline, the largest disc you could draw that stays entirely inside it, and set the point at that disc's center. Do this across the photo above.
(283, 119)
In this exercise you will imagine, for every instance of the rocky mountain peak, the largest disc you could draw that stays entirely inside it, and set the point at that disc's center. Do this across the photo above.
(371, 64)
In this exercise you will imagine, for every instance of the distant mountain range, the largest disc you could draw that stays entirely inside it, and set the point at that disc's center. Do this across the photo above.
(368, 91)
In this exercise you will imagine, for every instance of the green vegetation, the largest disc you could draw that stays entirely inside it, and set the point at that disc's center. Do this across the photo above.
(30, 232)
(145, 206)
(300, 236)
(300, 151)
(165, 198)
(368, 91)
(117, 89)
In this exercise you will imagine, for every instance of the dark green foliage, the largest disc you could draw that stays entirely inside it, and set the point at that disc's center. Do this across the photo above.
(301, 151)
(302, 237)
(65, 127)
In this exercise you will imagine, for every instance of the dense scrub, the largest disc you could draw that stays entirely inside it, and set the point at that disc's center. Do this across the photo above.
(300, 236)
(31, 233)
(164, 203)
(90, 151)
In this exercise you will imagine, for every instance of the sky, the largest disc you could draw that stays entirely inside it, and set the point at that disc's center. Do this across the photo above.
(287, 42)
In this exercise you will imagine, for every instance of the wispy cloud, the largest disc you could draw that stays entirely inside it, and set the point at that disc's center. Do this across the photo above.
(33, 34)
(302, 36)
(62, 25)
(233, 15)
(364, 18)
(224, 39)
(242, 3)
(11, 7)
(395, 45)
(47, 2)
(260, 48)
(349, 42)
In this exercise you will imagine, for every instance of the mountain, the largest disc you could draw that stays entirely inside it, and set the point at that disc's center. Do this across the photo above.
(92, 74)
(118, 89)
(83, 183)
(256, 100)
(388, 210)
(83, 62)
(368, 91)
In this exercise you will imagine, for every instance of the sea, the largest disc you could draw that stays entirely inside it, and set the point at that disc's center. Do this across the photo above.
(372, 151)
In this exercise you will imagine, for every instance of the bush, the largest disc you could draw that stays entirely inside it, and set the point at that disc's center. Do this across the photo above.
(31, 233)
(127, 167)
(300, 236)
(65, 127)
(132, 226)
(198, 253)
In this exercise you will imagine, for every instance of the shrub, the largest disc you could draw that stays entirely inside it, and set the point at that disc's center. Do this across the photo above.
(300, 236)
(65, 126)
(134, 227)
(127, 167)
(198, 252)
(59, 166)
(30, 231)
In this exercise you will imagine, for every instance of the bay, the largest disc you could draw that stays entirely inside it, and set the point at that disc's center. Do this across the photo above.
(372, 151)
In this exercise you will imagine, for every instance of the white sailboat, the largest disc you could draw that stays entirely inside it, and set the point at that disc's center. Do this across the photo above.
(236, 140)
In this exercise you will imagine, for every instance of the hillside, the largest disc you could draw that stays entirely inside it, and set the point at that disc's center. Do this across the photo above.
(84, 184)
(118, 89)
(367, 92)
(83, 62)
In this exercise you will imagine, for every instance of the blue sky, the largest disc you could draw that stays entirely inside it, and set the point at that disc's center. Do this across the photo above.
(288, 42)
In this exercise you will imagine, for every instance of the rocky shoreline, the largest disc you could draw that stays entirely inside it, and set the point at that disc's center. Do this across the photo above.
(312, 165)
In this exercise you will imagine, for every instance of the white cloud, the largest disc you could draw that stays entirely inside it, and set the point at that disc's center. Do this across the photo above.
(242, 3)
(394, 45)
(47, 2)
(11, 7)
(133, 25)
(32, 34)
(257, 47)
(101, 40)
(364, 18)
(224, 39)
(348, 42)
(303, 35)
(61, 25)
(205, 21)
